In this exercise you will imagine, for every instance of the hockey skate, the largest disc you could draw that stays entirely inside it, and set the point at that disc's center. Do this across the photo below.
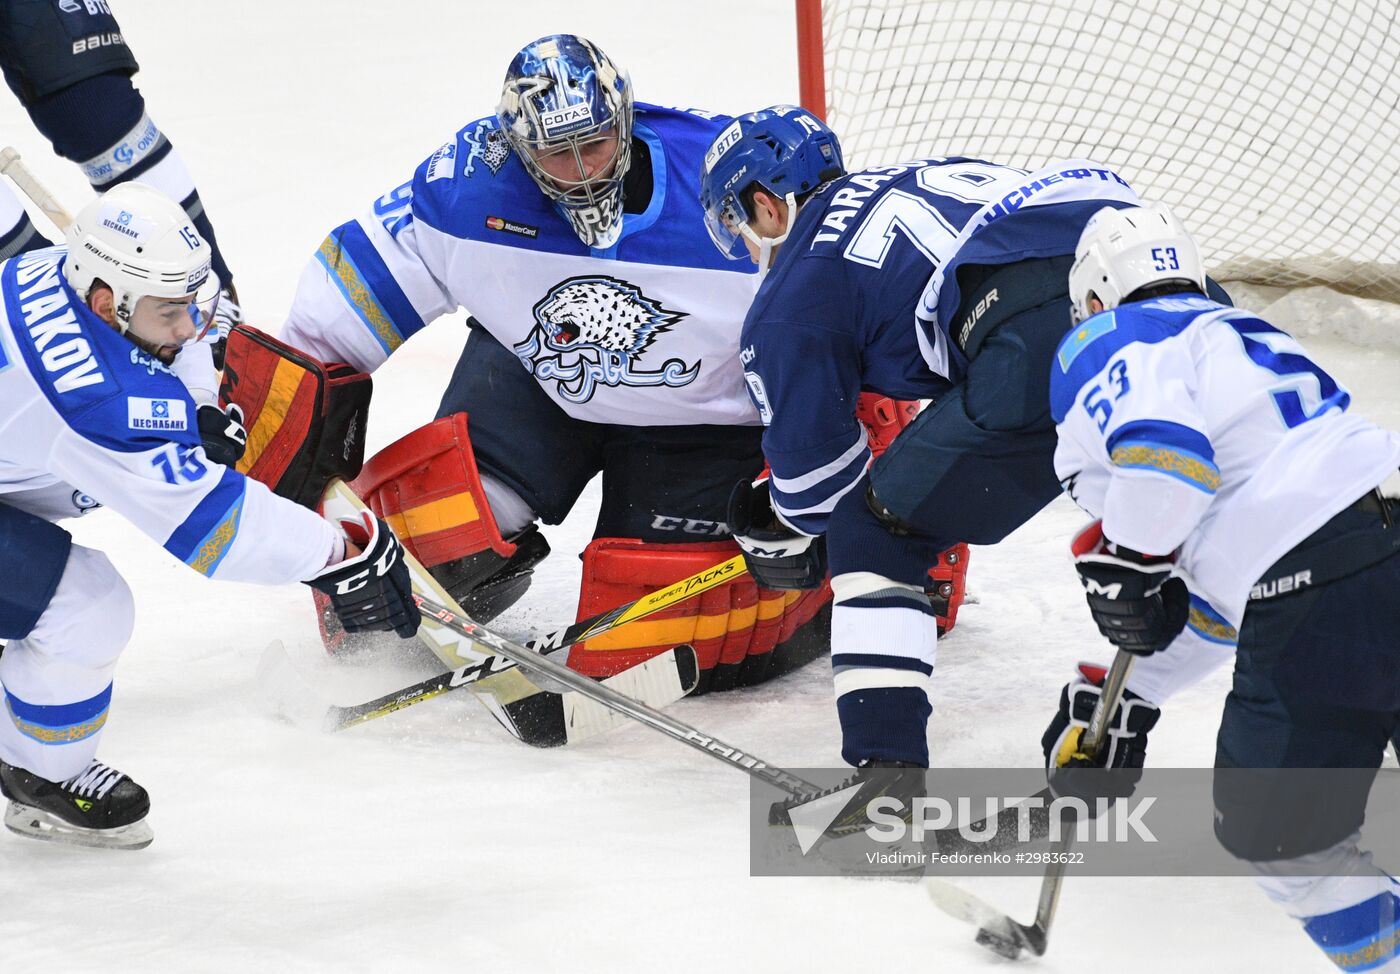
(100, 808)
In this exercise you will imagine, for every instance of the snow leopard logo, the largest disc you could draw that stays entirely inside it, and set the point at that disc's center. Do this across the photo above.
(487, 143)
(590, 331)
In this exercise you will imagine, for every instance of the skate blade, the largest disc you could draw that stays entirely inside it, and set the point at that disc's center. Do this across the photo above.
(35, 823)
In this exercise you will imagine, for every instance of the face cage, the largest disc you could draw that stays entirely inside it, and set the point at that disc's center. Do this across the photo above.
(585, 202)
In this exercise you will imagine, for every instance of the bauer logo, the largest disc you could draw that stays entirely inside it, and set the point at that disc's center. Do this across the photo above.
(156, 414)
(562, 121)
(727, 139)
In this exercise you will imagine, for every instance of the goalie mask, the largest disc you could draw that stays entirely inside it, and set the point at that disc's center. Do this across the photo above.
(141, 245)
(1121, 251)
(566, 110)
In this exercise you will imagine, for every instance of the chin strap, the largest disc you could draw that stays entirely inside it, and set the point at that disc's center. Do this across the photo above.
(767, 245)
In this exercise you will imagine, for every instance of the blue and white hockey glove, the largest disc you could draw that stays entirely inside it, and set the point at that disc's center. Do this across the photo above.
(371, 591)
(1139, 605)
(1124, 750)
(778, 557)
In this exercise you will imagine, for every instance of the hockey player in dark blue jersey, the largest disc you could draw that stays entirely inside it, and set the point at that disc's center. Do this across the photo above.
(941, 279)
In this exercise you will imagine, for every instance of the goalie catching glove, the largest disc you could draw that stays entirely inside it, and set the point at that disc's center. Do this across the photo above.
(370, 591)
(1136, 601)
(1124, 749)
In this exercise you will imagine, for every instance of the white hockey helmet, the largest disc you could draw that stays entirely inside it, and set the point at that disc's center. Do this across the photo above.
(140, 243)
(1123, 250)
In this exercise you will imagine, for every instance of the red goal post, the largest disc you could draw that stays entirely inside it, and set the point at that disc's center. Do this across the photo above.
(1273, 129)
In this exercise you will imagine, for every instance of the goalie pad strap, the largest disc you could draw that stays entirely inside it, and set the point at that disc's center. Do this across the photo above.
(735, 628)
(305, 419)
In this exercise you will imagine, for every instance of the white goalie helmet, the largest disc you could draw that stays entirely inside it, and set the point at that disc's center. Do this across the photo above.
(1123, 250)
(140, 243)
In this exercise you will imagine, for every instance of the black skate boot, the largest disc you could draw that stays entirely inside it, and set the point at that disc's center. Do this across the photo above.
(100, 808)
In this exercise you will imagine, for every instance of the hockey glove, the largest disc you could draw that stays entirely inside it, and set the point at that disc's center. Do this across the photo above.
(223, 433)
(1136, 601)
(1073, 774)
(371, 591)
(777, 556)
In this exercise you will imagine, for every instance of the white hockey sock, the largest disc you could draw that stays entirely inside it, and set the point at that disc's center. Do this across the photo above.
(57, 680)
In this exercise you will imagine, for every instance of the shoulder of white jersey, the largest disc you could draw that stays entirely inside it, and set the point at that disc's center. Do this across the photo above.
(1089, 346)
(101, 385)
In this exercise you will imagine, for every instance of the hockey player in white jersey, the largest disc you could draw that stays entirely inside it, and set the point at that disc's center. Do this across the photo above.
(1217, 454)
(604, 335)
(90, 413)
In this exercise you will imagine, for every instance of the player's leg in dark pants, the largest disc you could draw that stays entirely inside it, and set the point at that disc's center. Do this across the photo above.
(68, 63)
(671, 484)
(1317, 686)
(979, 462)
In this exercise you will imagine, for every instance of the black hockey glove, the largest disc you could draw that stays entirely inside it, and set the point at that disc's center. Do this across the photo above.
(1070, 772)
(1136, 601)
(223, 433)
(371, 591)
(778, 557)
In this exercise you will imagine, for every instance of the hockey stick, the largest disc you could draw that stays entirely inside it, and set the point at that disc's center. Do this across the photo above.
(1004, 935)
(539, 716)
(610, 698)
(339, 718)
(10, 165)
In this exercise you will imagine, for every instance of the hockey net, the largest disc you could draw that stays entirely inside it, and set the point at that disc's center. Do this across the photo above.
(1272, 129)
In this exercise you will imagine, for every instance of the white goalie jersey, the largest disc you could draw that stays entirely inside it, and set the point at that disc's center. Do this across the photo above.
(645, 333)
(1188, 425)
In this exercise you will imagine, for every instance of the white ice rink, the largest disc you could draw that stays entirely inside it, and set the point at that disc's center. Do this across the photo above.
(430, 840)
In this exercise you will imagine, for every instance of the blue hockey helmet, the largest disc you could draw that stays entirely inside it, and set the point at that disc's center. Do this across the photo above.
(785, 149)
(566, 110)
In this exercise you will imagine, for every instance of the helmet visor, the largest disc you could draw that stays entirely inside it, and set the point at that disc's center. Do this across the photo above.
(725, 219)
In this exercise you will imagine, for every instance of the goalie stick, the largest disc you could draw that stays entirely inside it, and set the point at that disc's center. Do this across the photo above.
(10, 165)
(539, 716)
(339, 718)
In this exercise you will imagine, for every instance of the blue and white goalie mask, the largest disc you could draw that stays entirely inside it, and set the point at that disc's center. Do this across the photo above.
(567, 112)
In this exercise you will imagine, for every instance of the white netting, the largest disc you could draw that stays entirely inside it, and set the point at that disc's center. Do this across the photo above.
(1273, 129)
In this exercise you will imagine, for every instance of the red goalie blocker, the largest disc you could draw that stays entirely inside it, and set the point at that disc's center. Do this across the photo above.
(884, 418)
(742, 634)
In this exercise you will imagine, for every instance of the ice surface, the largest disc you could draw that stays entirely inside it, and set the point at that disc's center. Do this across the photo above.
(429, 840)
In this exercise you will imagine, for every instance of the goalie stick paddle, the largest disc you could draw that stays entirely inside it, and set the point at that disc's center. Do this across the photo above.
(537, 715)
(607, 696)
(1001, 933)
(338, 718)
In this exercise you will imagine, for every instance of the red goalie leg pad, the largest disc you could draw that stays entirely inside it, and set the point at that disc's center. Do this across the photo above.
(948, 585)
(884, 417)
(742, 634)
(427, 488)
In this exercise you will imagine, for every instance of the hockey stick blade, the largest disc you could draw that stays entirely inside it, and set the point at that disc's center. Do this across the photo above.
(536, 715)
(606, 696)
(487, 667)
